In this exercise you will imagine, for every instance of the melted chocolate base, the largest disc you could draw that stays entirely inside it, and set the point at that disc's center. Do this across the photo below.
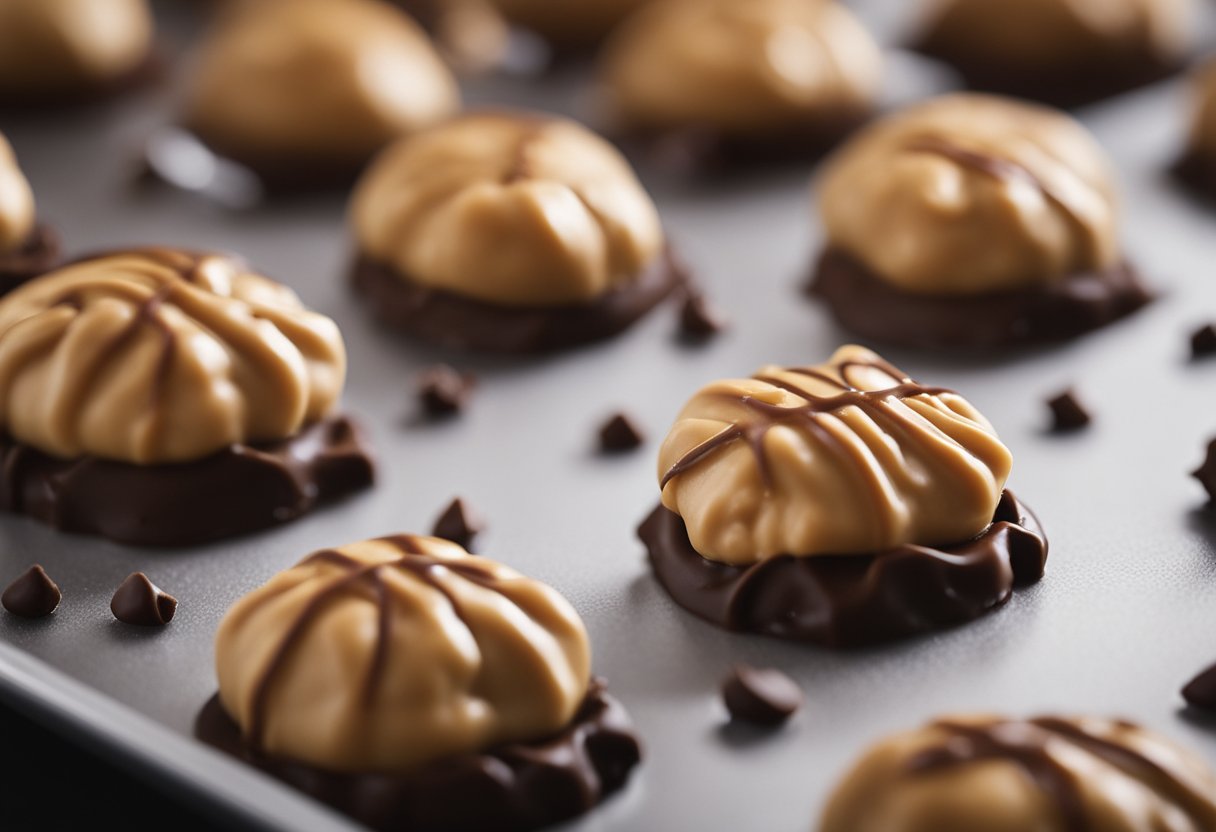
(148, 72)
(849, 600)
(866, 304)
(511, 788)
(452, 320)
(708, 151)
(1070, 84)
(37, 255)
(241, 489)
(1197, 172)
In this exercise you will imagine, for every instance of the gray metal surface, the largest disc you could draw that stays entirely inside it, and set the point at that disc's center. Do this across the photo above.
(1124, 616)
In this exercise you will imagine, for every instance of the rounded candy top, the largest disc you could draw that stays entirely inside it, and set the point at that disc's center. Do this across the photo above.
(989, 774)
(330, 80)
(516, 210)
(17, 213)
(967, 194)
(847, 457)
(387, 654)
(741, 67)
(155, 356)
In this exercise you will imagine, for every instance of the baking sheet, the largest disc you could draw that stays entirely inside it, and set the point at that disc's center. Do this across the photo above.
(1122, 619)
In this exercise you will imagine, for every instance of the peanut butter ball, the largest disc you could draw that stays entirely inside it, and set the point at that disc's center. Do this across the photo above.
(846, 457)
(144, 383)
(304, 92)
(1052, 774)
(1197, 167)
(995, 221)
(398, 670)
(54, 51)
(17, 215)
(1064, 52)
(508, 232)
(841, 503)
(790, 71)
(27, 249)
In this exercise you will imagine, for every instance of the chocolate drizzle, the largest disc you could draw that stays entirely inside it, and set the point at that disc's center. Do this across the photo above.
(768, 416)
(368, 579)
(1028, 745)
(852, 600)
(510, 788)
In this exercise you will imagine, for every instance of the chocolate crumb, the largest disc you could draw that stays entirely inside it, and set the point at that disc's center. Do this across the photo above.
(699, 319)
(32, 595)
(1203, 341)
(1206, 473)
(458, 523)
(1200, 692)
(620, 434)
(1067, 412)
(761, 696)
(444, 391)
(140, 602)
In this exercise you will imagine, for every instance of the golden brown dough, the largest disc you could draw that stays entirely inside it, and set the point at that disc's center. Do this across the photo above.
(515, 210)
(155, 356)
(326, 82)
(989, 774)
(17, 213)
(388, 654)
(972, 194)
(741, 68)
(63, 47)
(846, 457)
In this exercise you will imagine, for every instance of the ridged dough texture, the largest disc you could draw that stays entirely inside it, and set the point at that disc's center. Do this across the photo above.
(1037, 33)
(740, 67)
(969, 194)
(567, 24)
(1203, 131)
(331, 80)
(17, 214)
(848, 457)
(516, 210)
(989, 774)
(155, 356)
(387, 654)
(62, 46)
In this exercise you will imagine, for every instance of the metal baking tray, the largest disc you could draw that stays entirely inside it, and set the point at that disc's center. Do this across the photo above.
(1124, 616)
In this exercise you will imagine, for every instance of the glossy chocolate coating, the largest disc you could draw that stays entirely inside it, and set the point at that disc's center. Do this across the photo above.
(238, 490)
(511, 788)
(867, 305)
(452, 320)
(39, 254)
(851, 601)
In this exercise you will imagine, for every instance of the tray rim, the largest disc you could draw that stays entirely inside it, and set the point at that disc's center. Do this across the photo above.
(188, 770)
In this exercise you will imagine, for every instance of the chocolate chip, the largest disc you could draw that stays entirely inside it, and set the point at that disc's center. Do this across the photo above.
(140, 602)
(1067, 412)
(1200, 692)
(761, 696)
(1206, 473)
(699, 320)
(620, 434)
(444, 391)
(458, 523)
(1203, 341)
(32, 595)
